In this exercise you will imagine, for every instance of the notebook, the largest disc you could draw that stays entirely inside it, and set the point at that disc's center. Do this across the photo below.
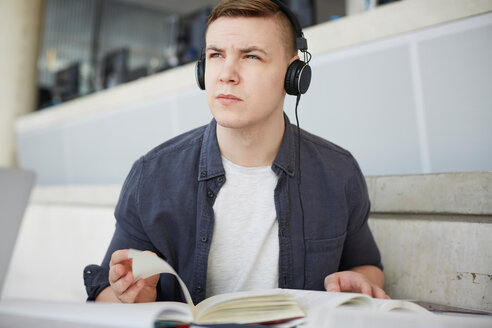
(15, 188)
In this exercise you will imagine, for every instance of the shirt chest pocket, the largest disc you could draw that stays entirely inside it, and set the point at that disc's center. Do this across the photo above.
(322, 258)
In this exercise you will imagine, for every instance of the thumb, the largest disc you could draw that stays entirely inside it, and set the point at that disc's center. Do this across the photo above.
(152, 280)
(332, 283)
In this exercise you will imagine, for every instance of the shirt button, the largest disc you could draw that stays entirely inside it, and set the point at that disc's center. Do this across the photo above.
(199, 289)
(220, 179)
(203, 174)
(210, 194)
(204, 239)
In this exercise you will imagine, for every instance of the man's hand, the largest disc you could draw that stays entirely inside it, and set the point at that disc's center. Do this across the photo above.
(122, 288)
(364, 279)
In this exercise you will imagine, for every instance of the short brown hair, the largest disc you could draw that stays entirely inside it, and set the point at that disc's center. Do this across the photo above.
(257, 8)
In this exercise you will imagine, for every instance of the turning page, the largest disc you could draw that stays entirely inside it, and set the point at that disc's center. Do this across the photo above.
(145, 265)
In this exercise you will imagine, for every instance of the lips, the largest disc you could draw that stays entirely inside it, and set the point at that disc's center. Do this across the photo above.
(228, 99)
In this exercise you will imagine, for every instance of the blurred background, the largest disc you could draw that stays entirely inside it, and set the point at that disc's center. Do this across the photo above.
(90, 45)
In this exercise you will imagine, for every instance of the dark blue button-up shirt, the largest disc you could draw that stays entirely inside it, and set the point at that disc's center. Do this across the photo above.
(166, 206)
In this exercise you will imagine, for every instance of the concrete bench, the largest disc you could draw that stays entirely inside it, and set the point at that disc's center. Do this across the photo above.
(435, 235)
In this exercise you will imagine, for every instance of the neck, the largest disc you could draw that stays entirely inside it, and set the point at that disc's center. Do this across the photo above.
(252, 146)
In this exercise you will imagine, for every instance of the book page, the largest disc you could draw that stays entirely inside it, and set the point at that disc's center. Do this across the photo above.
(145, 265)
(309, 299)
(399, 305)
(222, 298)
(258, 306)
(173, 312)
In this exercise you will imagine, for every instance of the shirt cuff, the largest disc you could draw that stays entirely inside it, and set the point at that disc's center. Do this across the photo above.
(95, 280)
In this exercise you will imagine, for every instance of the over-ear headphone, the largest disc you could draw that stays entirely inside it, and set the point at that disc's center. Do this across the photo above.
(298, 76)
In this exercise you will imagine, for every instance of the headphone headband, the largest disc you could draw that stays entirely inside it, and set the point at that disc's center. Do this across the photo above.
(301, 41)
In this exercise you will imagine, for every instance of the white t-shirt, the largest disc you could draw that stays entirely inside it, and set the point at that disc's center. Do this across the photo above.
(245, 247)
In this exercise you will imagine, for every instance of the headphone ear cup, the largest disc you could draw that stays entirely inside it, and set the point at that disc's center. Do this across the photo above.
(297, 78)
(200, 73)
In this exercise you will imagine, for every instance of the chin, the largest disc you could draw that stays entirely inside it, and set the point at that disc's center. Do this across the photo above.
(230, 123)
(229, 119)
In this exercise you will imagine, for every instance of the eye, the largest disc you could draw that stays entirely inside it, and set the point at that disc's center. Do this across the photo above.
(252, 57)
(215, 55)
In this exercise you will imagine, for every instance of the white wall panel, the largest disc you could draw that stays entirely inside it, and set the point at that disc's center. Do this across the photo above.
(457, 82)
(104, 145)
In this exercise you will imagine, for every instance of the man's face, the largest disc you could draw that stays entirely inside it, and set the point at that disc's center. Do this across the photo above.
(246, 63)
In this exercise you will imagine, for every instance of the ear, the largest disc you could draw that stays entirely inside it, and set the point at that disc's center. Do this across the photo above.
(293, 59)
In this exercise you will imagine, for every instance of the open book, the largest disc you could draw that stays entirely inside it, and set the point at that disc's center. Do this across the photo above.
(266, 306)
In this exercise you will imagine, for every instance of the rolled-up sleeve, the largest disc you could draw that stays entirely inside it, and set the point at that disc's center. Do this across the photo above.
(129, 233)
(360, 247)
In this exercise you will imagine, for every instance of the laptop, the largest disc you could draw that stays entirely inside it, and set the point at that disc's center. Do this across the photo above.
(15, 188)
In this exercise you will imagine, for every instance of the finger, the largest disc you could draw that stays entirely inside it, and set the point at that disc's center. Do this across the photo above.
(332, 283)
(116, 272)
(365, 288)
(119, 256)
(121, 285)
(152, 280)
(378, 292)
(130, 294)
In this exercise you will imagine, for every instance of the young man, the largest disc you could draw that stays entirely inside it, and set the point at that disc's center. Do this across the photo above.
(221, 203)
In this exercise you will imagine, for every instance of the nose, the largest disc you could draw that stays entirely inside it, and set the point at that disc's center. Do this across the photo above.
(229, 71)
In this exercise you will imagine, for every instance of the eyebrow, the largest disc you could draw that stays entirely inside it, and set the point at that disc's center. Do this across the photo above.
(243, 50)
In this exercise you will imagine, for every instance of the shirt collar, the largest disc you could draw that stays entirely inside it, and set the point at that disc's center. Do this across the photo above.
(210, 164)
(286, 156)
